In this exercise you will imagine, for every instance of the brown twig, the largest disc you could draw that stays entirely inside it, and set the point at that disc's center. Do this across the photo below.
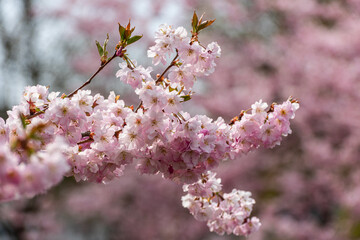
(85, 141)
(93, 76)
(74, 92)
(36, 114)
(139, 106)
(173, 62)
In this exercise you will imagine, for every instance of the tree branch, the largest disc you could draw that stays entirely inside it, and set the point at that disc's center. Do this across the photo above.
(92, 77)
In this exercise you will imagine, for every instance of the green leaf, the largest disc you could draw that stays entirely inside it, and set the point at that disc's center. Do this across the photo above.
(194, 22)
(205, 24)
(100, 49)
(105, 44)
(34, 136)
(178, 64)
(186, 98)
(127, 35)
(172, 89)
(23, 122)
(134, 39)
(122, 32)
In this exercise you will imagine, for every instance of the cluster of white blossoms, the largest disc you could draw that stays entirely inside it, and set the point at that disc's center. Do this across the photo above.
(195, 60)
(92, 138)
(224, 213)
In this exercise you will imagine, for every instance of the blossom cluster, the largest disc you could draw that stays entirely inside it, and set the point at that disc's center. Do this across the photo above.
(224, 213)
(195, 59)
(28, 164)
(262, 128)
(96, 137)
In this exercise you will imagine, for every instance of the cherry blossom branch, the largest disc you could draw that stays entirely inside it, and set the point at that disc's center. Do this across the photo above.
(93, 138)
